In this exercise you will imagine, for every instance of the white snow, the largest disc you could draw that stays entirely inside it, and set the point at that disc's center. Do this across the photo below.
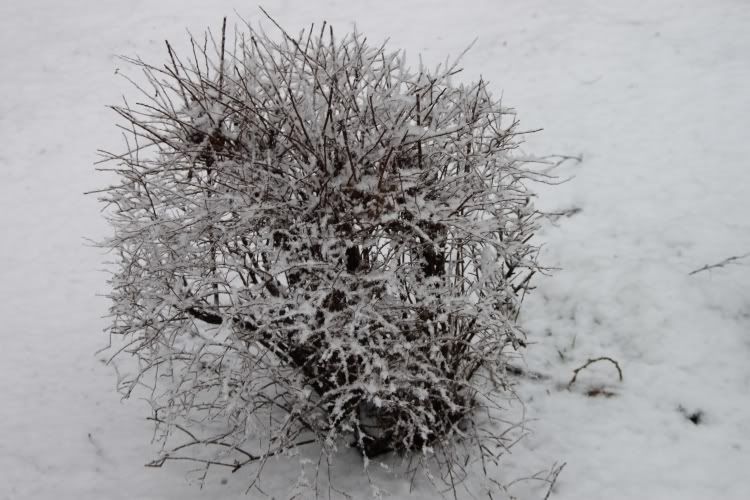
(655, 98)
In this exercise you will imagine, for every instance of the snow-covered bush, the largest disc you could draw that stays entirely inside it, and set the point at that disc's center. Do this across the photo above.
(316, 244)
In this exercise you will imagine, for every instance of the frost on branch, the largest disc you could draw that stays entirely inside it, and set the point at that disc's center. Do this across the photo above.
(315, 242)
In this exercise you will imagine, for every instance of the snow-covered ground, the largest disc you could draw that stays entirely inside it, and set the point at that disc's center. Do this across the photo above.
(653, 95)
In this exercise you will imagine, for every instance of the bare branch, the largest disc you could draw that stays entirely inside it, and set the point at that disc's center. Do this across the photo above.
(592, 361)
(722, 263)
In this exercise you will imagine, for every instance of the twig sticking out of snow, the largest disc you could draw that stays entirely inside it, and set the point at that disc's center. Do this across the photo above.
(723, 263)
(195, 441)
(590, 362)
(549, 477)
(553, 479)
(568, 212)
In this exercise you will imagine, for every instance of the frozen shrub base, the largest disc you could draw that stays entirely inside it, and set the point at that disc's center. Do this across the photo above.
(315, 243)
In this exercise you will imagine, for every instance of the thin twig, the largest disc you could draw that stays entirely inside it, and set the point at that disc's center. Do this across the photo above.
(568, 212)
(221, 63)
(592, 361)
(719, 264)
(553, 479)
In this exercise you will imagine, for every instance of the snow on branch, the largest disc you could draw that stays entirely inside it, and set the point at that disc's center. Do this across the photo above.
(315, 242)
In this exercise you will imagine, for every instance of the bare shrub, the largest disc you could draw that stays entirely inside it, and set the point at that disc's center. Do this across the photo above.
(316, 244)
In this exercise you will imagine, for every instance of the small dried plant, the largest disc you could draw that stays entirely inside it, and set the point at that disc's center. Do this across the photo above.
(316, 244)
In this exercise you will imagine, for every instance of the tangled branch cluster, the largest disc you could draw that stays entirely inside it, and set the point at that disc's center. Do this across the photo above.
(315, 242)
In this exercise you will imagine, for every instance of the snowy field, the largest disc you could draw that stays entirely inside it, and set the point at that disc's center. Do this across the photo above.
(652, 95)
